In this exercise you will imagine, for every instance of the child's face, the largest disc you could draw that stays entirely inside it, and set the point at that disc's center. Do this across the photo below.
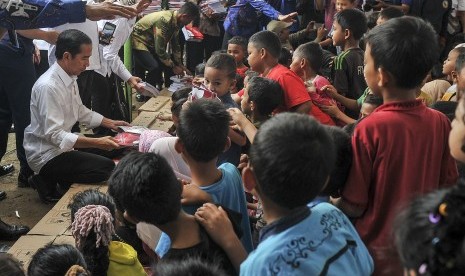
(245, 105)
(218, 81)
(338, 34)
(457, 134)
(370, 72)
(449, 64)
(295, 66)
(254, 59)
(284, 35)
(366, 109)
(344, 4)
(237, 52)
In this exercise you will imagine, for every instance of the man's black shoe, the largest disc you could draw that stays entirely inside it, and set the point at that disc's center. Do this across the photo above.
(12, 232)
(47, 193)
(4, 248)
(23, 178)
(6, 169)
(2, 195)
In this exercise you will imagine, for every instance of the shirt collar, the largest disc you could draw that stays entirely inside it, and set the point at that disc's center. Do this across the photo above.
(67, 79)
(406, 105)
(284, 223)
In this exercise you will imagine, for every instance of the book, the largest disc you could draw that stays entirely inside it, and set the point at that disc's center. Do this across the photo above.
(149, 90)
(133, 129)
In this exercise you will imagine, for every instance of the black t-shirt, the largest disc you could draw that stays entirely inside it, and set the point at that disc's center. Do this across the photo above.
(348, 78)
(207, 250)
(434, 11)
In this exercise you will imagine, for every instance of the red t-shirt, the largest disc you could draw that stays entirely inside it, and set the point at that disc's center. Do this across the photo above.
(399, 151)
(295, 93)
(241, 71)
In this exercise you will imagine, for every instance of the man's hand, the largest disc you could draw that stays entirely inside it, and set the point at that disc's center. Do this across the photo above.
(287, 17)
(106, 143)
(36, 55)
(178, 70)
(107, 10)
(112, 124)
(142, 5)
(321, 33)
(135, 82)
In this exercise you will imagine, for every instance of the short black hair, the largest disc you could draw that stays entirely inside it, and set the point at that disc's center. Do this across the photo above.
(190, 9)
(203, 129)
(200, 69)
(285, 57)
(146, 187)
(424, 236)
(292, 157)
(371, 20)
(338, 177)
(406, 47)
(179, 98)
(460, 61)
(373, 99)
(91, 197)
(251, 73)
(239, 40)
(353, 20)
(54, 260)
(223, 62)
(265, 93)
(71, 41)
(10, 266)
(390, 13)
(267, 40)
(313, 53)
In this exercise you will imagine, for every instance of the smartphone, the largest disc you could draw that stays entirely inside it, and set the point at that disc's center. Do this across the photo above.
(107, 33)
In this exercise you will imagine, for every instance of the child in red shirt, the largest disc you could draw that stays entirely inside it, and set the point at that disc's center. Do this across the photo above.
(400, 150)
(264, 48)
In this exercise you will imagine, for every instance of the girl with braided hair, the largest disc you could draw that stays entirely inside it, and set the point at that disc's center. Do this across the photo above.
(93, 228)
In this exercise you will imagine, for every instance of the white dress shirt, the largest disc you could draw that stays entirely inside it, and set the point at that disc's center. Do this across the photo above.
(109, 59)
(88, 27)
(55, 107)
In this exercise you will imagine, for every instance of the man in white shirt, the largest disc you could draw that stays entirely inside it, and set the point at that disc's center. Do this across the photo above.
(55, 107)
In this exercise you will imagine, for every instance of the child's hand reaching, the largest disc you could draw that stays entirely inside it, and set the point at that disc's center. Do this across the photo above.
(330, 90)
(331, 110)
(192, 194)
(216, 222)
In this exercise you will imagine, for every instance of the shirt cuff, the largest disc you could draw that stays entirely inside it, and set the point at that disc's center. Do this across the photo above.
(74, 11)
(125, 75)
(68, 141)
(96, 120)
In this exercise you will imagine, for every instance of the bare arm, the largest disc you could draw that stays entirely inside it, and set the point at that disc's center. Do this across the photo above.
(105, 143)
(303, 108)
(349, 103)
(216, 222)
(49, 36)
(247, 127)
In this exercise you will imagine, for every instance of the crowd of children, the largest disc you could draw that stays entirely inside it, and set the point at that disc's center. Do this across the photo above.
(306, 155)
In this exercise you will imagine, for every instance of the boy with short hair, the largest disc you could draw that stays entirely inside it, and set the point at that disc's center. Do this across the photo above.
(298, 240)
(396, 147)
(220, 77)
(203, 136)
(146, 188)
(237, 47)
(264, 49)
(348, 28)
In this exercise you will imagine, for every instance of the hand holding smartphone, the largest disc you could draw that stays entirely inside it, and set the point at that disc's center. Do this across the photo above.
(107, 33)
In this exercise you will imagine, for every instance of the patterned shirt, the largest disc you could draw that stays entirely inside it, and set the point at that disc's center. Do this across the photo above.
(30, 14)
(153, 32)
